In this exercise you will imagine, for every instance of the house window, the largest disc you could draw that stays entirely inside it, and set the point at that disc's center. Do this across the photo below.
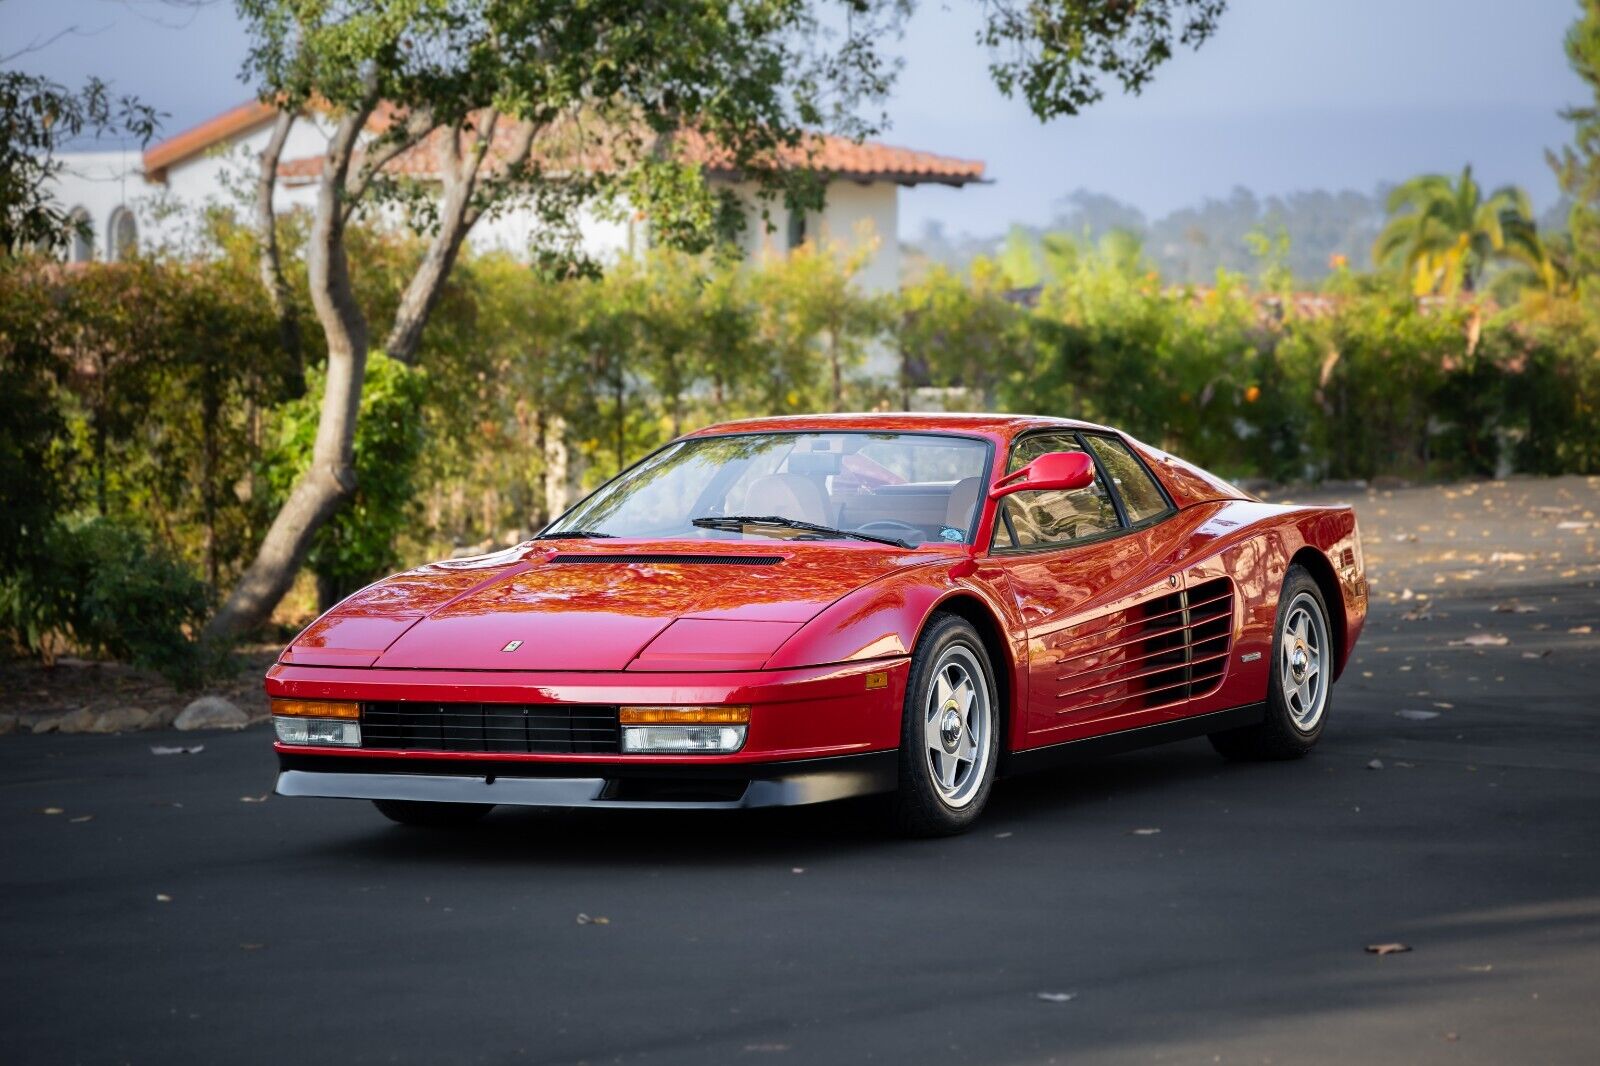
(797, 229)
(80, 242)
(122, 237)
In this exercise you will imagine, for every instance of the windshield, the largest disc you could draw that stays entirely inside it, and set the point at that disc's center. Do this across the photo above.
(907, 487)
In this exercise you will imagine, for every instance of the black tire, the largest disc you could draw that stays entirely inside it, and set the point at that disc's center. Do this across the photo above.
(921, 806)
(415, 812)
(1279, 735)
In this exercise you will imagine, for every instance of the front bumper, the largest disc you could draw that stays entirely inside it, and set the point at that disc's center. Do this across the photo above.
(612, 784)
(815, 734)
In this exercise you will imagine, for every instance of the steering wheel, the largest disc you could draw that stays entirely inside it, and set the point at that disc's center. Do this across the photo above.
(893, 524)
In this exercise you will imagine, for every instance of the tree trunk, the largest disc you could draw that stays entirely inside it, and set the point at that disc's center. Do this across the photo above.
(270, 262)
(331, 476)
(464, 161)
(555, 468)
(838, 371)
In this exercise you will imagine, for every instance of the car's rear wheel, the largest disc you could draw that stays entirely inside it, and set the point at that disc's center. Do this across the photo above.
(950, 731)
(1300, 679)
(414, 812)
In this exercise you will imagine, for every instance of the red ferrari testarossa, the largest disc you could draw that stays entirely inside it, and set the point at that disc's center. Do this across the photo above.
(792, 610)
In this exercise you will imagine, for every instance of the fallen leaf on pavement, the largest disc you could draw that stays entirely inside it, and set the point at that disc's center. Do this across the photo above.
(51, 810)
(1482, 640)
(797, 869)
(1387, 949)
(1515, 608)
(82, 818)
(162, 897)
(162, 750)
(584, 919)
(1581, 629)
(1416, 716)
(1002, 836)
(1145, 832)
(1536, 654)
(253, 799)
(1375, 764)
(252, 947)
(1056, 997)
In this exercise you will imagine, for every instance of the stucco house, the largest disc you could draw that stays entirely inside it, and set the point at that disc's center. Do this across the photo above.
(125, 196)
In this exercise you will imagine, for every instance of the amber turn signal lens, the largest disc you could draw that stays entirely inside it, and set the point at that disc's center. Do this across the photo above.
(684, 715)
(316, 708)
(877, 679)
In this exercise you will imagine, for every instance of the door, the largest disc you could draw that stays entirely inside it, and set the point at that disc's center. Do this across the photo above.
(1175, 648)
(1071, 566)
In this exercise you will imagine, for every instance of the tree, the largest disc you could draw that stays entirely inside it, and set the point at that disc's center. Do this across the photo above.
(38, 115)
(561, 107)
(1577, 165)
(1444, 234)
(1055, 52)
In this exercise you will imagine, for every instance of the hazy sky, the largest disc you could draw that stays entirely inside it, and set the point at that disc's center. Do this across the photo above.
(1290, 94)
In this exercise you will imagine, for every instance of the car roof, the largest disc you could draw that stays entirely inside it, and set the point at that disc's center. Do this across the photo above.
(1004, 425)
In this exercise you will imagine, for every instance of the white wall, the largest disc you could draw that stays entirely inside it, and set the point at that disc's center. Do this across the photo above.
(101, 182)
(853, 212)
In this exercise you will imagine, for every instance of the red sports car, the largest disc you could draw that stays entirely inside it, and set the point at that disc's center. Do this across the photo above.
(793, 610)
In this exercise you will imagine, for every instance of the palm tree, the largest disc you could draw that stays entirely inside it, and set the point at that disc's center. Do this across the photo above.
(1444, 234)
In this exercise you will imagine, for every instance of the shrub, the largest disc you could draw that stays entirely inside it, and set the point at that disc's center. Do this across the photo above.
(110, 591)
(358, 545)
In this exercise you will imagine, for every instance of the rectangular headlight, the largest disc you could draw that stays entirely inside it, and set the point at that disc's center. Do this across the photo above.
(681, 730)
(319, 732)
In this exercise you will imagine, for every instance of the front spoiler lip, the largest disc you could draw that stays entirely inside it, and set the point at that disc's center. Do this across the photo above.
(775, 784)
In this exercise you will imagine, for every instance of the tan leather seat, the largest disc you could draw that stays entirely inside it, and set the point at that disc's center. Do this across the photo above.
(787, 496)
(961, 509)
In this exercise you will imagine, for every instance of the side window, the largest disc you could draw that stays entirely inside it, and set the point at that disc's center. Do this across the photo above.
(1036, 519)
(1140, 495)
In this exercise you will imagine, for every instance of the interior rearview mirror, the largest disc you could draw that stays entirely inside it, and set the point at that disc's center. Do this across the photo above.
(1053, 471)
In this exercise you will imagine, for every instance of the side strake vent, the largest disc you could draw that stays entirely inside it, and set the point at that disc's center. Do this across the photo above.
(1165, 650)
(669, 559)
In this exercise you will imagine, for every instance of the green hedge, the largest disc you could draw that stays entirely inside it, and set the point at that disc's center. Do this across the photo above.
(150, 418)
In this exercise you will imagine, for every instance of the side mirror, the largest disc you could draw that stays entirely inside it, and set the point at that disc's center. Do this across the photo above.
(1053, 471)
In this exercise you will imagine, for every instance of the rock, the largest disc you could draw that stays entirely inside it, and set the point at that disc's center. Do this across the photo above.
(162, 717)
(211, 712)
(78, 721)
(47, 724)
(8, 724)
(120, 720)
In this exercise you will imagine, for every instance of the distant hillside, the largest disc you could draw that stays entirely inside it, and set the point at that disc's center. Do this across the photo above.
(1191, 243)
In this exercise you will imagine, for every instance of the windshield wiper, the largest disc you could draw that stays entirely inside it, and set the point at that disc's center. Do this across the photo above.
(737, 522)
(574, 534)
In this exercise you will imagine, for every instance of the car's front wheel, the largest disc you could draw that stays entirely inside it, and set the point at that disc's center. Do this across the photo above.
(950, 732)
(413, 812)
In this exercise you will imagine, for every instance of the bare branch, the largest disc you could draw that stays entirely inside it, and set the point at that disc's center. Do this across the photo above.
(460, 172)
(388, 147)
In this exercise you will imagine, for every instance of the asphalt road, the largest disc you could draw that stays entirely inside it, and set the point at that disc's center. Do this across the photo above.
(180, 923)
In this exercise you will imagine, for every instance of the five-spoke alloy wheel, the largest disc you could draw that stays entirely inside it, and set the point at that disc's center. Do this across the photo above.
(950, 738)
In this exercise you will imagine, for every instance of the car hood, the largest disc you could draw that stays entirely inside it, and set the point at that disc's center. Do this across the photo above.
(580, 606)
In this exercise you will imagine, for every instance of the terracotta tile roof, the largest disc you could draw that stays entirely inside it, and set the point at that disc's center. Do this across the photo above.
(867, 161)
(838, 156)
(197, 139)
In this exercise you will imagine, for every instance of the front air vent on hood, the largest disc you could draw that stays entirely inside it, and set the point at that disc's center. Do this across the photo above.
(669, 559)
